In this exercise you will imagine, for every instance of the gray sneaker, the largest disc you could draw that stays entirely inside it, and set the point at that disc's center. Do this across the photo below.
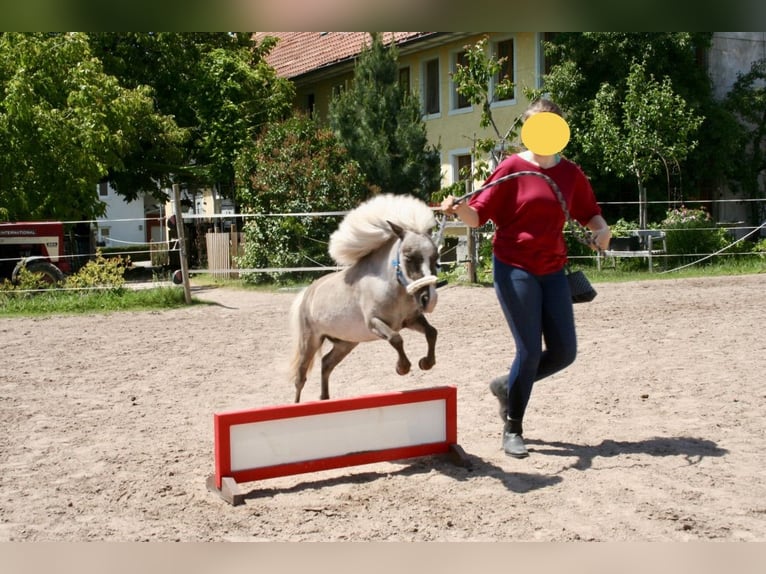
(513, 445)
(499, 388)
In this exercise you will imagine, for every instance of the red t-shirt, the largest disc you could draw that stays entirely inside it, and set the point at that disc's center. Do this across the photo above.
(528, 217)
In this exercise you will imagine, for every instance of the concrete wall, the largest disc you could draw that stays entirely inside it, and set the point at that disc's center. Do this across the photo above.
(732, 53)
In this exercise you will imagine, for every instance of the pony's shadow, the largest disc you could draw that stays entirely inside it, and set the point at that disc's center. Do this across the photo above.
(690, 448)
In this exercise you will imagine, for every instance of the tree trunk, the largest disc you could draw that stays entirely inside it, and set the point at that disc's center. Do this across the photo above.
(642, 208)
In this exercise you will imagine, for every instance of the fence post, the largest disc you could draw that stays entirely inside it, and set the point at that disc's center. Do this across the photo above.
(182, 242)
(233, 250)
(470, 239)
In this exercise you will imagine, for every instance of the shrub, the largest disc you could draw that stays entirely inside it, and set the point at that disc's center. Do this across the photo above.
(295, 167)
(26, 280)
(691, 234)
(623, 228)
(99, 272)
(760, 248)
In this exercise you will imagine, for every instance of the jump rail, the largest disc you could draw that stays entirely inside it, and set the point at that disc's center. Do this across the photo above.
(298, 438)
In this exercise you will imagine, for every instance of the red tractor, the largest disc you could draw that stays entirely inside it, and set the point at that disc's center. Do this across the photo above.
(41, 247)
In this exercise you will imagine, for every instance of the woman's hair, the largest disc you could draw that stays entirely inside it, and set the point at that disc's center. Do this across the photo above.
(541, 105)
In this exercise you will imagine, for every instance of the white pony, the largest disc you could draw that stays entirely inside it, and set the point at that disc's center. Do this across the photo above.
(389, 284)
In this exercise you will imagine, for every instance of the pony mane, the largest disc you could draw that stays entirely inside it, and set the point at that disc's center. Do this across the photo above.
(366, 228)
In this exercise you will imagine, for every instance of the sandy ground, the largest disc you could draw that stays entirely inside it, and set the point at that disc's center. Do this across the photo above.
(656, 433)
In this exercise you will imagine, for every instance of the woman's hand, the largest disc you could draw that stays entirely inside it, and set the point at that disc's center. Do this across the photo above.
(448, 206)
(601, 232)
(462, 210)
(601, 238)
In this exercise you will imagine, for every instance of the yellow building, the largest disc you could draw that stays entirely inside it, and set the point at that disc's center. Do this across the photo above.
(321, 63)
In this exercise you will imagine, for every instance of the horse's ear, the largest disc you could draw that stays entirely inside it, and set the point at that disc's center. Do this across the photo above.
(397, 229)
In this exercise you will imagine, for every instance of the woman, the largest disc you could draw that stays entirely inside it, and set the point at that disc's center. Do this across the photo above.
(529, 256)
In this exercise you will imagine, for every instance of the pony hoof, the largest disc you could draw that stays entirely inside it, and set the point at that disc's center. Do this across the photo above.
(402, 370)
(425, 364)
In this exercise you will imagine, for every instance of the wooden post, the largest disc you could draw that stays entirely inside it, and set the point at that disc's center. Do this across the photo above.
(471, 244)
(182, 242)
(233, 250)
(472, 262)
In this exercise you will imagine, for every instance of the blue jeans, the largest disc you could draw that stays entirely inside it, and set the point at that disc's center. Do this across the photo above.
(537, 309)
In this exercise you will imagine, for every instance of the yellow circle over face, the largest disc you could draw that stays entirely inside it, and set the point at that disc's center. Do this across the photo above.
(545, 133)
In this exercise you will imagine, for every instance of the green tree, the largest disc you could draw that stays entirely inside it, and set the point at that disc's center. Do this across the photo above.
(235, 97)
(64, 124)
(216, 86)
(581, 62)
(473, 79)
(747, 101)
(296, 166)
(637, 133)
(380, 124)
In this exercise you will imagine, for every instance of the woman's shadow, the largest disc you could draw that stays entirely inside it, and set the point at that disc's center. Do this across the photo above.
(690, 448)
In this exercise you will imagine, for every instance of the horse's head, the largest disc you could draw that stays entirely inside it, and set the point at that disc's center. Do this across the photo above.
(416, 266)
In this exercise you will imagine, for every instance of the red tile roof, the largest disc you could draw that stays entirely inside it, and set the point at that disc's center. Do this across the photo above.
(297, 53)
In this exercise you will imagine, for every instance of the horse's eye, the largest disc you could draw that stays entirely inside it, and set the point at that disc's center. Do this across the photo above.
(415, 259)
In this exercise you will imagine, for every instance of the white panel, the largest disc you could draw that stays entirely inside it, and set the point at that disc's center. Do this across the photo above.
(268, 443)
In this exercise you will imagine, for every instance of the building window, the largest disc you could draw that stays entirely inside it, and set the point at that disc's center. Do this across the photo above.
(544, 64)
(338, 89)
(431, 87)
(103, 189)
(504, 49)
(404, 79)
(462, 167)
(459, 101)
(310, 104)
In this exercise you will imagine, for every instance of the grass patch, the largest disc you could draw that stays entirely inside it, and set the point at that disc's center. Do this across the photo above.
(624, 271)
(206, 280)
(629, 271)
(50, 301)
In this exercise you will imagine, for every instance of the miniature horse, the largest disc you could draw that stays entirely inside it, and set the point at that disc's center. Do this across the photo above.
(389, 284)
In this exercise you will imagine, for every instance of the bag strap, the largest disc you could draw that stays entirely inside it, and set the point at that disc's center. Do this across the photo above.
(581, 233)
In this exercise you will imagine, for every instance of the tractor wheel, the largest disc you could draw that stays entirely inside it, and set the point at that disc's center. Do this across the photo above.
(51, 274)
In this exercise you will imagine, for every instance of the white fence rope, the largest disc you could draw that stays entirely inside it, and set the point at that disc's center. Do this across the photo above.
(225, 268)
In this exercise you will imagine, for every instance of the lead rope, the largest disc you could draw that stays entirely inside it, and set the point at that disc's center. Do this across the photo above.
(580, 232)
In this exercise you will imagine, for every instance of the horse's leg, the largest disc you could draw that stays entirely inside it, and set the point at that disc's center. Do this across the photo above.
(302, 374)
(381, 329)
(421, 325)
(305, 359)
(338, 352)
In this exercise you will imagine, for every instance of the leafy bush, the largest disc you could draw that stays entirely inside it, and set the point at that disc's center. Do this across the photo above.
(99, 272)
(295, 167)
(26, 280)
(623, 228)
(691, 234)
